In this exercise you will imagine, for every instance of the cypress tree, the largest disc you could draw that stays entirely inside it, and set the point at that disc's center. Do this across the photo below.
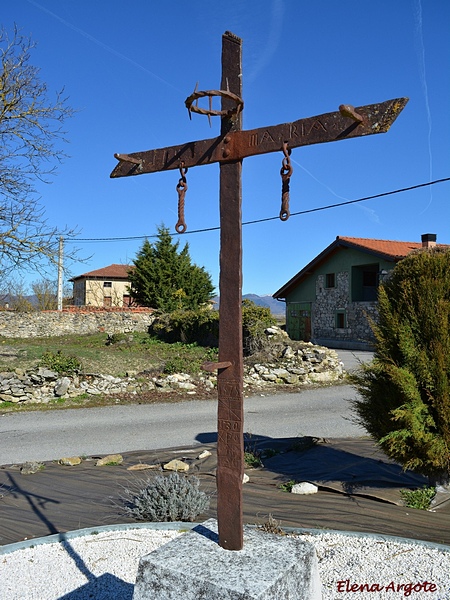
(405, 392)
(165, 278)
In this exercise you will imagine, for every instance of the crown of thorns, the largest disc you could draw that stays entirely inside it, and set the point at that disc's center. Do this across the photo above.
(209, 112)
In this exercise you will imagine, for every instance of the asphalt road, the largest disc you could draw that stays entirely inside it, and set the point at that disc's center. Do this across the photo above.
(50, 435)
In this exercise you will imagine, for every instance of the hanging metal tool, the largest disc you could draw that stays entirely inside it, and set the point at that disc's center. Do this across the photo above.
(285, 172)
(181, 189)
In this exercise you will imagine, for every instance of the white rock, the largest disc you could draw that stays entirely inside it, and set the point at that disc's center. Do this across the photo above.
(204, 454)
(246, 478)
(304, 488)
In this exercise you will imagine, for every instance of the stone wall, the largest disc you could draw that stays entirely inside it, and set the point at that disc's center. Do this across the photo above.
(357, 328)
(73, 320)
(291, 364)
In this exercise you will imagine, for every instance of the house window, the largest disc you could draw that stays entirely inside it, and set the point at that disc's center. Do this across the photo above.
(365, 279)
(107, 284)
(340, 318)
(330, 280)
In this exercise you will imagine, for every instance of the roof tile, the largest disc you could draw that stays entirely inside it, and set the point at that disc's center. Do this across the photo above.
(112, 271)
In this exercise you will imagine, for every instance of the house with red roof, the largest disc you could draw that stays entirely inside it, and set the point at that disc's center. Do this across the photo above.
(332, 299)
(106, 287)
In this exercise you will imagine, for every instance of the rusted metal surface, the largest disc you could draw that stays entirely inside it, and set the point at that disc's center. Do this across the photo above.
(212, 367)
(285, 172)
(347, 110)
(182, 187)
(230, 416)
(236, 144)
(209, 112)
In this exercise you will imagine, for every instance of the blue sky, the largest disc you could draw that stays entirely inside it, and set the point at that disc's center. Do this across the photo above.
(127, 68)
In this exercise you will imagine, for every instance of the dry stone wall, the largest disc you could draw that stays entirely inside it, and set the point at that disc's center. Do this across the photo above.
(73, 321)
(291, 364)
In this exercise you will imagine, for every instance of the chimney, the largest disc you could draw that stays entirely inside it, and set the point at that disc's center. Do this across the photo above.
(428, 240)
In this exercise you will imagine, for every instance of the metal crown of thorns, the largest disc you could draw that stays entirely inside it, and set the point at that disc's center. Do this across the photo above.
(209, 112)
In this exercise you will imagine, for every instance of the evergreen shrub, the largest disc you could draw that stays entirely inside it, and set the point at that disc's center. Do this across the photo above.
(199, 326)
(405, 392)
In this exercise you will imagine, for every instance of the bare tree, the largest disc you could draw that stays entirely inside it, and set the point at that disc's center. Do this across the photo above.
(30, 127)
(15, 295)
(46, 292)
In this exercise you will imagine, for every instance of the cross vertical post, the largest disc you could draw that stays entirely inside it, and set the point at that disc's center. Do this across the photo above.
(230, 416)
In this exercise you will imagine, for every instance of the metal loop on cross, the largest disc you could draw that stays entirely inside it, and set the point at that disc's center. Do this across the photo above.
(285, 172)
(181, 189)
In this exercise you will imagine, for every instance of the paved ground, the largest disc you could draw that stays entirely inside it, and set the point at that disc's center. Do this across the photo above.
(352, 359)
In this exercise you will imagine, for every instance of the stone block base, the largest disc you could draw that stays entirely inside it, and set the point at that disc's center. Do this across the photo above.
(195, 567)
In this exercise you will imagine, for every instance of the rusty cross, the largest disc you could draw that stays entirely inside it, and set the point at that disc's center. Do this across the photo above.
(229, 148)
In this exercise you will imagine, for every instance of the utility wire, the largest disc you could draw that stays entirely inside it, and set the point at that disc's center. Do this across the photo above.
(301, 212)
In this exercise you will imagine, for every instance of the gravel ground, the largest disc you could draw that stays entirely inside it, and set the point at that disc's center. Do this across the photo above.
(104, 566)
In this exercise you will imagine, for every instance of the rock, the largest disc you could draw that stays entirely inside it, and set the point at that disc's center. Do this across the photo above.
(176, 465)
(246, 478)
(304, 488)
(325, 377)
(142, 467)
(204, 454)
(70, 461)
(62, 386)
(111, 459)
(288, 352)
(29, 468)
(47, 374)
(268, 377)
(290, 378)
(186, 385)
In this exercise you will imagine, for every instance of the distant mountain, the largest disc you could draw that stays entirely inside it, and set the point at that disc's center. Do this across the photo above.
(276, 308)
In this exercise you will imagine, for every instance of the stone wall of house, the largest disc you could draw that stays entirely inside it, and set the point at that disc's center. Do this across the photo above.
(357, 314)
(328, 300)
(73, 320)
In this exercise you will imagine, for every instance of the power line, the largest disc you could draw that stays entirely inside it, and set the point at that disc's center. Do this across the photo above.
(294, 214)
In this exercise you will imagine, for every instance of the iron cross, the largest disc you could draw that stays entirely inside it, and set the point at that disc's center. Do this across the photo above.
(229, 148)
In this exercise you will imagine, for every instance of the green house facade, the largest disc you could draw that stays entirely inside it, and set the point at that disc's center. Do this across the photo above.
(332, 300)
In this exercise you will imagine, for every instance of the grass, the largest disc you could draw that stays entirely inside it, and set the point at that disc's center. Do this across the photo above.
(140, 353)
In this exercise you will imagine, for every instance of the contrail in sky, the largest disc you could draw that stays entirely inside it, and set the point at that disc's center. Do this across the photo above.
(420, 48)
(101, 44)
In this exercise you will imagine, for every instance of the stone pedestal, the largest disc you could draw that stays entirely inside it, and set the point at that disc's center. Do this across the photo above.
(195, 567)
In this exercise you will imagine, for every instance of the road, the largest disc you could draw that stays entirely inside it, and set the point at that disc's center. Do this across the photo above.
(50, 435)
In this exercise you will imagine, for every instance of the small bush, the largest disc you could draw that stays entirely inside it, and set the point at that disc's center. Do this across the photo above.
(61, 363)
(420, 498)
(199, 326)
(166, 498)
(287, 485)
(178, 364)
(119, 338)
(252, 460)
(255, 320)
(272, 526)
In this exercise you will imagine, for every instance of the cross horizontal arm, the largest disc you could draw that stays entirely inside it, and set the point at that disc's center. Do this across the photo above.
(376, 118)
